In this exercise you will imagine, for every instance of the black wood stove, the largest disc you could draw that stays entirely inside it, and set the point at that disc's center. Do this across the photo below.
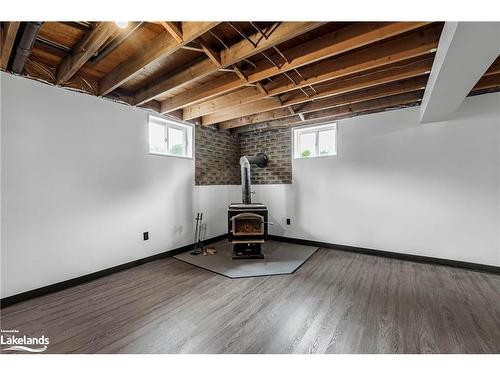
(247, 229)
(247, 221)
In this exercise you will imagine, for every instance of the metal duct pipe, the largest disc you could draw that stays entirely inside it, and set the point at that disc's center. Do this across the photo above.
(25, 46)
(260, 160)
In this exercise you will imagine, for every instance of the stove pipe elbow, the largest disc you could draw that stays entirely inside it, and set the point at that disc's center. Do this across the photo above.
(260, 160)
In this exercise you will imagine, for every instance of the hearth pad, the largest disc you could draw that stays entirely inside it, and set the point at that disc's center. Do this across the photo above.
(279, 258)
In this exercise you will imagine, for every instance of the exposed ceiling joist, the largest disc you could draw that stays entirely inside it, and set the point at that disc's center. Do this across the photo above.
(334, 43)
(203, 92)
(7, 42)
(387, 102)
(84, 50)
(258, 118)
(395, 88)
(240, 73)
(494, 68)
(246, 95)
(398, 49)
(244, 110)
(231, 56)
(389, 89)
(283, 32)
(487, 82)
(175, 29)
(364, 80)
(212, 54)
(391, 74)
(395, 50)
(163, 45)
(336, 71)
(337, 113)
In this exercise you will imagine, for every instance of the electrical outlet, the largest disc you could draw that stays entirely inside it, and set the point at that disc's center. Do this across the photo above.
(145, 236)
(288, 221)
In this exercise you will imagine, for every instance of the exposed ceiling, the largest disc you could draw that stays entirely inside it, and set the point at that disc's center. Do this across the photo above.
(236, 74)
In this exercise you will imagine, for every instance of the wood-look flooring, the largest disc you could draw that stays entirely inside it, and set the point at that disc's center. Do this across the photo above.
(337, 302)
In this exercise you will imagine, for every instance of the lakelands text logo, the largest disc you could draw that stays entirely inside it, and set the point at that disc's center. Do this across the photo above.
(11, 340)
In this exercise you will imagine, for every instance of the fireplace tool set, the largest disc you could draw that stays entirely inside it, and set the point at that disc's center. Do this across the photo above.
(198, 241)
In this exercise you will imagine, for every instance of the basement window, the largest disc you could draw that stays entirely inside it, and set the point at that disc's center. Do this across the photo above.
(315, 141)
(167, 137)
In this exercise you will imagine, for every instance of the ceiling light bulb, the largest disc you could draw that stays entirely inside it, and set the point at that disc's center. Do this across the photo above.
(122, 24)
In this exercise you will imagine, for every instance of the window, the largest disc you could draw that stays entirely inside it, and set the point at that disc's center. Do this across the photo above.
(314, 141)
(170, 138)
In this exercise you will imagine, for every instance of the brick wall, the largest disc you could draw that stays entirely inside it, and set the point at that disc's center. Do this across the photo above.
(277, 144)
(216, 157)
(218, 152)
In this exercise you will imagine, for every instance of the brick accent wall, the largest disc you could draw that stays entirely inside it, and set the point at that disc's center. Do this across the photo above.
(216, 157)
(277, 144)
(218, 152)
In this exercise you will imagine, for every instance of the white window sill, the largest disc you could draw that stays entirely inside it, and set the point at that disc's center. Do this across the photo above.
(316, 157)
(169, 155)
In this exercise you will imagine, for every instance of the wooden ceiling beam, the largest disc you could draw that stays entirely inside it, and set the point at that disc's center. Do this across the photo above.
(386, 102)
(283, 32)
(175, 29)
(396, 72)
(7, 43)
(244, 109)
(257, 118)
(164, 44)
(494, 68)
(84, 50)
(205, 91)
(487, 82)
(212, 54)
(395, 50)
(231, 56)
(391, 74)
(391, 89)
(402, 48)
(261, 105)
(346, 39)
(240, 73)
(246, 95)
(337, 113)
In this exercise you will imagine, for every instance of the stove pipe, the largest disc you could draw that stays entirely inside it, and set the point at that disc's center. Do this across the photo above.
(245, 162)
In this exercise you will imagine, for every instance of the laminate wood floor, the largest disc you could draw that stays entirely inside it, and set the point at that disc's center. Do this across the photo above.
(337, 302)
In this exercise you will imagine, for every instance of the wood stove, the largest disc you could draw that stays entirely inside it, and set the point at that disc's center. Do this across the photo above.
(247, 229)
(247, 221)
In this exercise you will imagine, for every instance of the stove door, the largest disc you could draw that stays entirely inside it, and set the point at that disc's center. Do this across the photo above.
(248, 224)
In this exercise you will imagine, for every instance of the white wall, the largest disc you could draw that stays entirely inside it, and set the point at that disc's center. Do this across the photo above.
(400, 186)
(213, 201)
(79, 188)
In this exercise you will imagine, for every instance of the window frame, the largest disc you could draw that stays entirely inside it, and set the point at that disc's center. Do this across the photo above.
(186, 129)
(314, 129)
